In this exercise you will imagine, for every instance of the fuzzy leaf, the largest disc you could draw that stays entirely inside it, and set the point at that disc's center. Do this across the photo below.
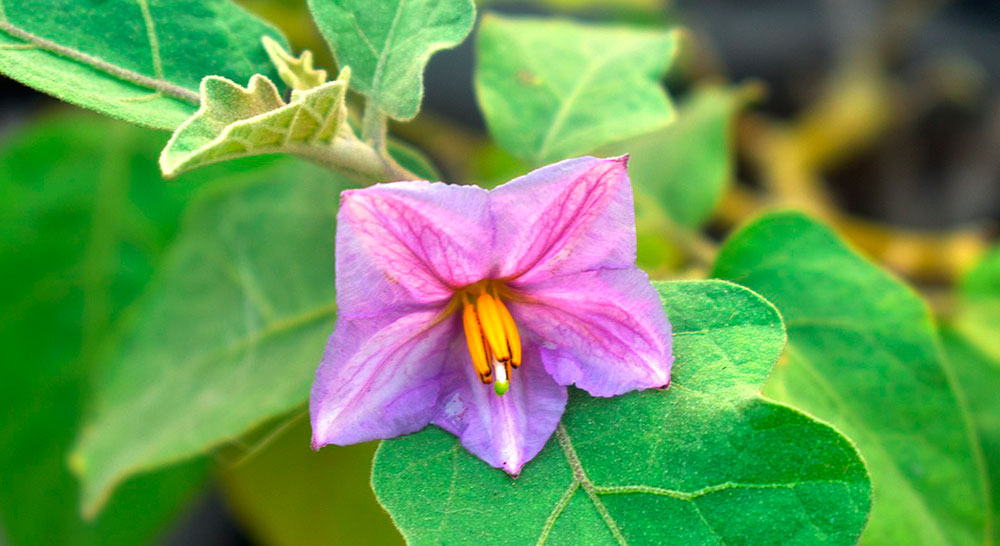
(140, 61)
(297, 72)
(708, 461)
(230, 334)
(387, 44)
(863, 355)
(236, 122)
(686, 167)
(552, 89)
(83, 223)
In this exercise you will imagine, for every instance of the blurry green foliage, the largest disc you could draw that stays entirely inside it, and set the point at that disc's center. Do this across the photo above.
(972, 342)
(553, 89)
(707, 461)
(138, 61)
(228, 336)
(863, 354)
(288, 495)
(84, 223)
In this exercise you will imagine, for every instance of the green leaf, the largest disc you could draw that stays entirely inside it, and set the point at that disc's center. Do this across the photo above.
(139, 61)
(83, 223)
(863, 355)
(553, 89)
(235, 122)
(297, 72)
(230, 334)
(686, 167)
(708, 461)
(288, 495)
(972, 342)
(387, 44)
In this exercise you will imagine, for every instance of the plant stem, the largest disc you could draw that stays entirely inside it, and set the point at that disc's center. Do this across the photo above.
(374, 127)
(357, 160)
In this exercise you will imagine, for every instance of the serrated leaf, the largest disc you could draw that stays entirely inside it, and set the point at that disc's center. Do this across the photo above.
(387, 44)
(286, 494)
(863, 355)
(297, 72)
(83, 222)
(552, 89)
(686, 167)
(140, 61)
(235, 122)
(708, 461)
(230, 334)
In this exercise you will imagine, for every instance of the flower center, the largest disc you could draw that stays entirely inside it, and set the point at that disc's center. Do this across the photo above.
(494, 344)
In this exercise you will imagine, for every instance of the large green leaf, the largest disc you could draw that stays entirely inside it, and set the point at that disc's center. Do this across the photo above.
(709, 461)
(230, 334)
(972, 342)
(686, 167)
(863, 355)
(287, 494)
(387, 44)
(140, 61)
(83, 222)
(552, 89)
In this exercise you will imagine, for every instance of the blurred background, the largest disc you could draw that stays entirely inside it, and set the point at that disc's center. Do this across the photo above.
(882, 117)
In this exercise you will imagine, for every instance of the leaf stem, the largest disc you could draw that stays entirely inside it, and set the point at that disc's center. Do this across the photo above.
(374, 126)
(357, 160)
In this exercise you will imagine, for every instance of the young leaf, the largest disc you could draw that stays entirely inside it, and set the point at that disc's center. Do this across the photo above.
(863, 355)
(236, 122)
(289, 495)
(387, 44)
(708, 461)
(297, 72)
(686, 167)
(552, 89)
(140, 61)
(230, 334)
(82, 224)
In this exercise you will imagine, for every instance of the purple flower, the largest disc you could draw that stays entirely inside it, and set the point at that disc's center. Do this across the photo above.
(444, 290)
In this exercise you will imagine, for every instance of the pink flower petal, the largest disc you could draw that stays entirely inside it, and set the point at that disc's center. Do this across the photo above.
(565, 218)
(604, 331)
(409, 244)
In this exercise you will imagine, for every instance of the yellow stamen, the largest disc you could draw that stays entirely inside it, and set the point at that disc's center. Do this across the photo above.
(474, 338)
(489, 319)
(490, 332)
(510, 332)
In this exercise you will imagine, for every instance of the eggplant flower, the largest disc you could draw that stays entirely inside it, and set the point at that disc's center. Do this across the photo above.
(474, 310)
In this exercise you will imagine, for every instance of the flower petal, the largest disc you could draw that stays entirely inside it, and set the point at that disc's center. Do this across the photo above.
(409, 244)
(505, 431)
(379, 377)
(565, 218)
(604, 331)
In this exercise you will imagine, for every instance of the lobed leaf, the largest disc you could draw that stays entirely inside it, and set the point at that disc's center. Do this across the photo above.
(235, 122)
(83, 223)
(863, 354)
(708, 461)
(139, 61)
(387, 44)
(230, 334)
(553, 89)
(297, 72)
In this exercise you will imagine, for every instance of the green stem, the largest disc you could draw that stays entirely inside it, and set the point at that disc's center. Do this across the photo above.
(356, 160)
(374, 127)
